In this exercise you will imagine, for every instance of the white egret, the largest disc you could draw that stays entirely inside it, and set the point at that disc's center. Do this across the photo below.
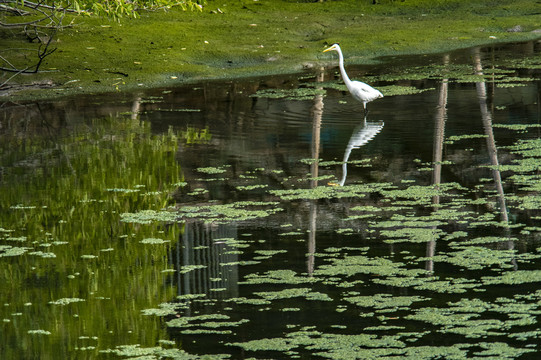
(360, 91)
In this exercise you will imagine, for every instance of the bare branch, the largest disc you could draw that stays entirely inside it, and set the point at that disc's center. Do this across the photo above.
(13, 10)
(41, 31)
(33, 6)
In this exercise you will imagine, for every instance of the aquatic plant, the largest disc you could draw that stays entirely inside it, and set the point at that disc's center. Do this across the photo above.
(298, 94)
(65, 301)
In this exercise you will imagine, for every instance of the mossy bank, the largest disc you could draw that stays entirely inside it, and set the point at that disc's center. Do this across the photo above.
(231, 39)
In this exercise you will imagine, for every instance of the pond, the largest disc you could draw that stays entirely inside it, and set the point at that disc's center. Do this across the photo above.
(269, 218)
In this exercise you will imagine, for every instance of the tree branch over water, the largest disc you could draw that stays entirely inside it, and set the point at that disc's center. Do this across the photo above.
(39, 30)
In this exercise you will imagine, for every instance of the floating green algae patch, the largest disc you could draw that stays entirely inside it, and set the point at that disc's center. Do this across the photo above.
(220, 213)
(514, 278)
(138, 352)
(148, 216)
(385, 301)
(278, 277)
(154, 241)
(468, 317)
(359, 264)
(39, 332)
(394, 90)
(211, 170)
(329, 192)
(164, 309)
(289, 94)
(293, 293)
(65, 301)
(416, 234)
(477, 258)
(238, 211)
(499, 74)
(7, 250)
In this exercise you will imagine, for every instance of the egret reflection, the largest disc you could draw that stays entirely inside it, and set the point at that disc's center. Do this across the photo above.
(363, 133)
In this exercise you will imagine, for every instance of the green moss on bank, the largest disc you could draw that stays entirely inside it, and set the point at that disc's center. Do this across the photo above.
(246, 38)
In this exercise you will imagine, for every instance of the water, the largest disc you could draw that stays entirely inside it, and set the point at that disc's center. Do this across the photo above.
(267, 218)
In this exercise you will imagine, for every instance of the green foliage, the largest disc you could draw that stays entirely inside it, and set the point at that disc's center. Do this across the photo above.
(117, 9)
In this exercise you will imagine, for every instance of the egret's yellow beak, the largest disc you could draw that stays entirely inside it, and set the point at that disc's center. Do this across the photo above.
(329, 49)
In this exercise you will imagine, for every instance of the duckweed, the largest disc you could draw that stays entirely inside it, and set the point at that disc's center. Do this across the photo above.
(385, 301)
(39, 332)
(154, 241)
(211, 170)
(289, 94)
(394, 90)
(65, 301)
(164, 309)
(293, 293)
(7, 250)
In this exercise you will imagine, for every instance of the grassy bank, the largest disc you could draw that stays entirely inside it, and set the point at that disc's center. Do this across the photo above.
(231, 39)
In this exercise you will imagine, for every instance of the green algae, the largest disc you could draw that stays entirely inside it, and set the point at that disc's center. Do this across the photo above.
(219, 213)
(189, 268)
(189, 320)
(154, 241)
(329, 192)
(267, 254)
(464, 317)
(477, 258)
(232, 242)
(498, 74)
(211, 170)
(7, 250)
(459, 323)
(482, 240)
(39, 332)
(291, 233)
(225, 213)
(420, 193)
(385, 301)
(452, 139)
(164, 309)
(394, 90)
(293, 293)
(501, 350)
(251, 187)
(266, 344)
(513, 278)
(337, 346)
(138, 352)
(148, 217)
(289, 94)
(147, 49)
(359, 264)
(65, 301)
(248, 301)
(409, 234)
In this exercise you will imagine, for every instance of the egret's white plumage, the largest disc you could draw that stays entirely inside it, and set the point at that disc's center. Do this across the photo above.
(360, 91)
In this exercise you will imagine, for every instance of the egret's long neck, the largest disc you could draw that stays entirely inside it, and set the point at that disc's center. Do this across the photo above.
(345, 76)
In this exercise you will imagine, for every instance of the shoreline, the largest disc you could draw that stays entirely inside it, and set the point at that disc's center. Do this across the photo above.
(250, 39)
